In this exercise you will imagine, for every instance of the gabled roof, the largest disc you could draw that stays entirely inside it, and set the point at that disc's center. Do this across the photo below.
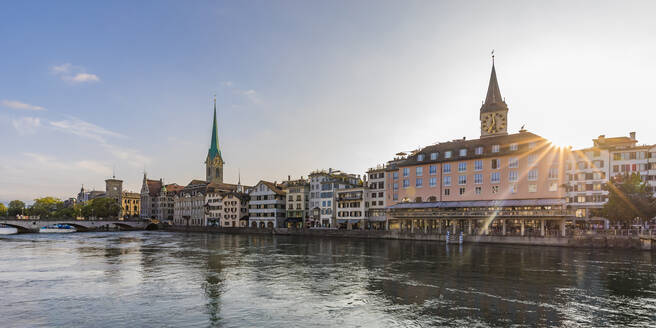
(154, 187)
(273, 187)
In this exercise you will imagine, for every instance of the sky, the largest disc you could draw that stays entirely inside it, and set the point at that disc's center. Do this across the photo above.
(89, 89)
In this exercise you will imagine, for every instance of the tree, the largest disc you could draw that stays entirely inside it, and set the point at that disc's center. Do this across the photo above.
(3, 210)
(101, 207)
(46, 207)
(629, 200)
(16, 207)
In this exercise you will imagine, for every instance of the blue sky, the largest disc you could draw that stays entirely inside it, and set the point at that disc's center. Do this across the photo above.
(89, 87)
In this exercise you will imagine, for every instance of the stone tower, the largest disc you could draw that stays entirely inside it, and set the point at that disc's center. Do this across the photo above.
(494, 111)
(114, 190)
(214, 162)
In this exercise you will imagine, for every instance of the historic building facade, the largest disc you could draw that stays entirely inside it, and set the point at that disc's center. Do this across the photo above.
(376, 197)
(130, 205)
(500, 182)
(266, 208)
(322, 195)
(235, 209)
(352, 208)
(189, 204)
(297, 204)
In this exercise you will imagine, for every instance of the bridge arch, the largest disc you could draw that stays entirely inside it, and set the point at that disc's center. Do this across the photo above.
(20, 228)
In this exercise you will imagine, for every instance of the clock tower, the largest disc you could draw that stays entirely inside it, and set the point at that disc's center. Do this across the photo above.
(214, 161)
(494, 111)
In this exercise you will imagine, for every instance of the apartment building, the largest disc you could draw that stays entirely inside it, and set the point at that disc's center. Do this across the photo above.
(266, 208)
(322, 194)
(297, 202)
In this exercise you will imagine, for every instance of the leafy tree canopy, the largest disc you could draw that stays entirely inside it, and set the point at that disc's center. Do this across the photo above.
(629, 200)
(3, 210)
(15, 207)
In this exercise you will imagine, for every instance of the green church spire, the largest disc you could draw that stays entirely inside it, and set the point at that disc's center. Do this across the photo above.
(214, 150)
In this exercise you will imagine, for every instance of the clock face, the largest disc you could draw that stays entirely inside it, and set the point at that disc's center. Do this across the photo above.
(493, 122)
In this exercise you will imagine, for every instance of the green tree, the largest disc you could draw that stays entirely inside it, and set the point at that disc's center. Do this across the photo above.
(16, 207)
(46, 207)
(3, 210)
(629, 201)
(101, 207)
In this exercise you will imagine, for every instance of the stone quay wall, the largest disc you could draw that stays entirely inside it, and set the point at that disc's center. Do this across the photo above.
(584, 241)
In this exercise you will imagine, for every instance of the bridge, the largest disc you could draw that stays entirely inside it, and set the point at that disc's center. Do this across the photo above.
(80, 225)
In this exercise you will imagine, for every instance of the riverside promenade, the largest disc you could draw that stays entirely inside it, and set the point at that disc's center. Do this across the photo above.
(620, 240)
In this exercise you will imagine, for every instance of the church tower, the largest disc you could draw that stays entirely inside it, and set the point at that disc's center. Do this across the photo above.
(494, 111)
(214, 162)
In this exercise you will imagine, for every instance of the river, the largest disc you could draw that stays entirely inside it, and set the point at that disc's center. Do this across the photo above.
(163, 279)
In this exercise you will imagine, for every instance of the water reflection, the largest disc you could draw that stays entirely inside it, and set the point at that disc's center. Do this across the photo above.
(158, 278)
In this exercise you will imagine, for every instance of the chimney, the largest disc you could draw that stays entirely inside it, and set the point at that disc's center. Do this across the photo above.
(632, 134)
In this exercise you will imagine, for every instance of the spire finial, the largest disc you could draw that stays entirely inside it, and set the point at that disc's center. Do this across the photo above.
(239, 177)
(492, 57)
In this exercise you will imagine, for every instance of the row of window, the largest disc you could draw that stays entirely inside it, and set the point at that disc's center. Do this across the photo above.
(495, 177)
(462, 152)
(513, 163)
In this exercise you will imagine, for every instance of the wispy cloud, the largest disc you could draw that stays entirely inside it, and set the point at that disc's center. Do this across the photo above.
(26, 125)
(15, 104)
(74, 74)
(249, 94)
(91, 131)
(85, 129)
(51, 162)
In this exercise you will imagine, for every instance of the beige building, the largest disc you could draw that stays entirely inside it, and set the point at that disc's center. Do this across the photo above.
(297, 204)
(130, 205)
(235, 209)
(351, 207)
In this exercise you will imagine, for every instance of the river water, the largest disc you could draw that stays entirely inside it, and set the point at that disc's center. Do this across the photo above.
(162, 279)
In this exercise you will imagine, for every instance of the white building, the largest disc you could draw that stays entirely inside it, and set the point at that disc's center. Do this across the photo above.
(351, 207)
(266, 208)
(322, 194)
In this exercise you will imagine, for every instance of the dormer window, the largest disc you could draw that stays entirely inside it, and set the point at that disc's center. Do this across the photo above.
(495, 148)
(463, 152)
(420, 157)
(479, 150)
(447, 154)
(513, 146)
(433, 156)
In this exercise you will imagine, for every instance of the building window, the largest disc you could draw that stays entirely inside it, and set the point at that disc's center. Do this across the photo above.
(432, 170)
(446, 168)
(396, 186)
(447, 180)
(462, 179)
(463, 152)
(478, 150)
(532, 175)
(513, 163)
(531, 159)
(406, 183)
(495, 164)
(447, 192)
(433, 156)
(495, 148)
(532, 187)
(553, 186)
(419, 171)
(395, 197)
(406, 171)
(395, 175)
(432, 182)
(419, 182)
(478, 165)
(447, 154)
(462, 191)
(478, 179)
(495, 189)
(531, 145)
(495, 177)
(512, 176)
(462, 167)
(478, 190)
(420, 157)
(513, 188)
(553, 173)
(513, 146)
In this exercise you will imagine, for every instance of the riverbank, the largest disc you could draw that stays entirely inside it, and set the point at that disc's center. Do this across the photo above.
(583, 241)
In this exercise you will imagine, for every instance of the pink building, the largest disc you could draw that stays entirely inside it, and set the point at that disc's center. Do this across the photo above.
(504, 183)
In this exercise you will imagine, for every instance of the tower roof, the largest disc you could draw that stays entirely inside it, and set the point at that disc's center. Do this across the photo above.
(493, 100)
(214, 150)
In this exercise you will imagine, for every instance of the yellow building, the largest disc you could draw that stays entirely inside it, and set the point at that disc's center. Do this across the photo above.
(130, 204)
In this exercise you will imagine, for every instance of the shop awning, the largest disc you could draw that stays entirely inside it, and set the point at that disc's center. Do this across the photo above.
(348, 221)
